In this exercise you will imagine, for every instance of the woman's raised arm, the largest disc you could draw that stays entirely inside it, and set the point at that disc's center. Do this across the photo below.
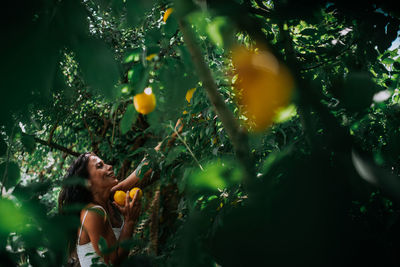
(133, 180)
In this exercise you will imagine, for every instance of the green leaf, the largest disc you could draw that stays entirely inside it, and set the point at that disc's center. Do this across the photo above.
(74, 180)
(12, 219)
(273, 158)
(174, 154)
(356, 91)
(388, 61)
(214, 30)
(396, 65)
(127, 119)
(153, 36)
(136, 9)
(10, 172)
(171, 26)
(216, 175)
(32, 189)
(142, 169)
(134, 55)
(103, 245)
(138, 77)
(99, 67)
(309, 31)
(28, 142)
(285, 114)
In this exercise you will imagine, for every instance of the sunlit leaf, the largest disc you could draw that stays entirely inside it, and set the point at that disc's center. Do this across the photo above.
(285, 114)
(214, 31)
(12, 218)
(216, 175)
(133, 55)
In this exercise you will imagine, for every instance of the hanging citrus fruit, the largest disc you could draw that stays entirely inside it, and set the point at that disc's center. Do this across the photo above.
(167, 13)
(189, 94)
(145, 102)
(119, 197)
(151, 56)
(263, 85)
(133, 191)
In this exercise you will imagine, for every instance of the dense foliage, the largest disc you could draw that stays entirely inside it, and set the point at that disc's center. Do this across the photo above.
(318, 186)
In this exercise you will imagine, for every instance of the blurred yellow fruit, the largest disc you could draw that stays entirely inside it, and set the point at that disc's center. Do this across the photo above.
(167, 13)
(263, 85)
(151, 56)
(184, 112)
(133, 192)
(145, 102)
(189, 94)
(120, 197)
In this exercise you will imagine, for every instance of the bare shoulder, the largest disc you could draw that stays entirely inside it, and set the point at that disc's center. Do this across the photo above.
(94, 213)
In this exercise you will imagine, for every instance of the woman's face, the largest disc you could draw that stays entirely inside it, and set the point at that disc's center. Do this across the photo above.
(101, 175)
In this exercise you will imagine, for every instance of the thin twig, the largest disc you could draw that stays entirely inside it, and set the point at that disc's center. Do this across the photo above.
(56, 146)
(186, 145)
(115, 119)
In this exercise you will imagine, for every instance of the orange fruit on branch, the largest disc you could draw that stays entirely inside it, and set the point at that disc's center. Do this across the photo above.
(145, 102)
(167, 13)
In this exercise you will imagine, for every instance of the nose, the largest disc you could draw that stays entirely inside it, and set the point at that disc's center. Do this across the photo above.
(109, 167)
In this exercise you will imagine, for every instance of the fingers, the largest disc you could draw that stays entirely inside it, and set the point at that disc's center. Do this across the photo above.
(127, 198)
(115, 187)
(135, 197)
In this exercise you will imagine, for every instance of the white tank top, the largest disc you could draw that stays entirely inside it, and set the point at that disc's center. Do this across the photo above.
(86, 251)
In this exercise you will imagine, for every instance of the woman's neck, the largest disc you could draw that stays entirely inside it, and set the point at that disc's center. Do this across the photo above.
(101, 199)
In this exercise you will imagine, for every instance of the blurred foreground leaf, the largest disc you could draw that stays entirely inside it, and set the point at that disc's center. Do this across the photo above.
(9, 174)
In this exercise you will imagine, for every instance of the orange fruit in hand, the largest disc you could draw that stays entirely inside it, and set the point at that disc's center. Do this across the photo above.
(119, 197)
(133, 192)
(145, 102)
(263, 86)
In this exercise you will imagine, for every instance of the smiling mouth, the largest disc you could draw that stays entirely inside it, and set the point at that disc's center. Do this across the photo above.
(111, 175)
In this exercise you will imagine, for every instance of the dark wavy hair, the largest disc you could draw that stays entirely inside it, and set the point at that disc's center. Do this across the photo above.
(74, 189)
(74, 194)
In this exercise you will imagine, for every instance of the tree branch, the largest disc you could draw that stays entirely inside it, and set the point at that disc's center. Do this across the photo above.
(236, 134)
(55, 146)
(329, 60)
(154, 222)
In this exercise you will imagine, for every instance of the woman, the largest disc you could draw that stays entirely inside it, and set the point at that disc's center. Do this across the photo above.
(91, 183)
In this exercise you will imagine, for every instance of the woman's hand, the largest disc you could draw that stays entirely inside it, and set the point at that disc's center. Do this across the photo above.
(131, 210)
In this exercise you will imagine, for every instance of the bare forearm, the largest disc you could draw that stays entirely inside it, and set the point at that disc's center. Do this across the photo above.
(129, 182)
